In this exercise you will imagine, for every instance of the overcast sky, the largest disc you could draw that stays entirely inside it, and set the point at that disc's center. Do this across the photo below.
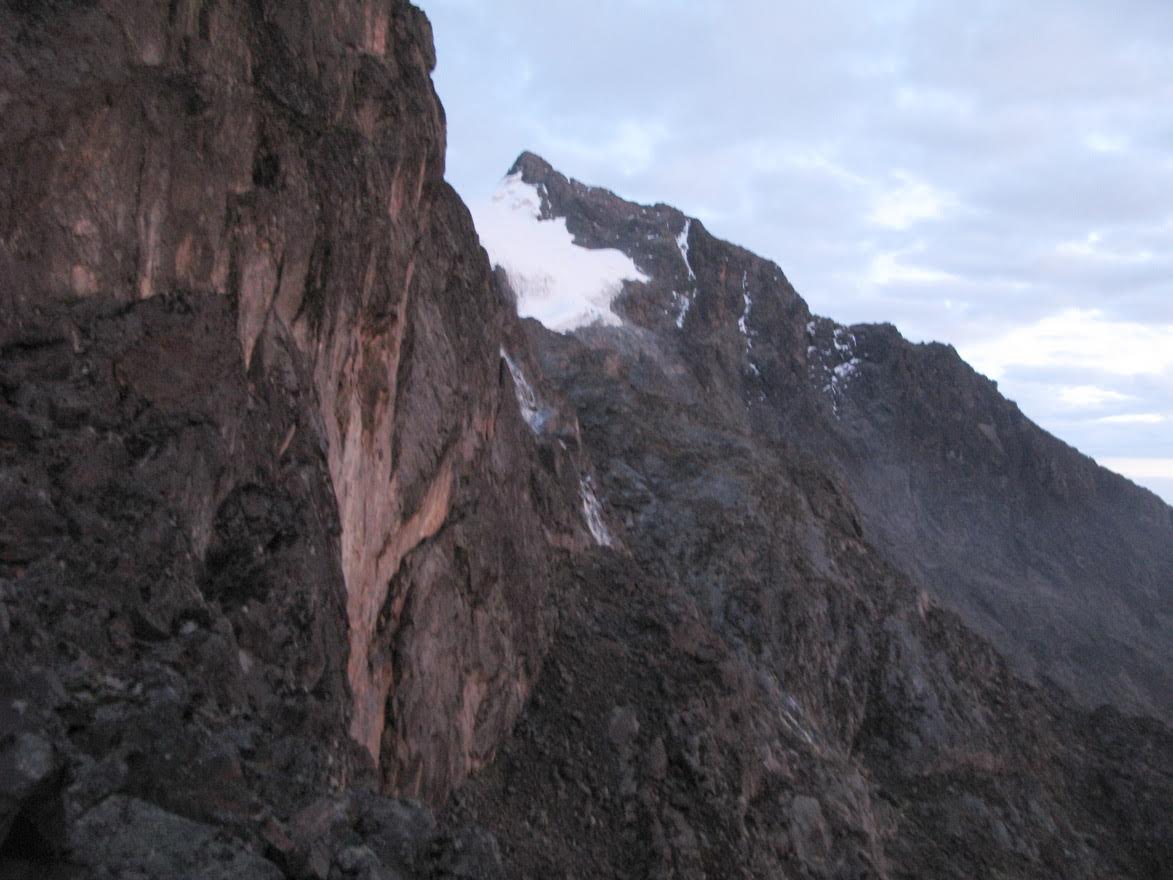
(997, 175)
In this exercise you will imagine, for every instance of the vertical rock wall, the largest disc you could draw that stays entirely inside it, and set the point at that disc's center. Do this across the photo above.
(287, 158)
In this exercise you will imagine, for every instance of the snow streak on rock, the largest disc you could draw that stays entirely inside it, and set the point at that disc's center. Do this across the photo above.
(592, 512)
(741, 322)
(682, 246)
(527, 399)
(683, 301)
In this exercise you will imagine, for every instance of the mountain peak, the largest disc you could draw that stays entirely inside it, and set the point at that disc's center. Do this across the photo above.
(532, 167)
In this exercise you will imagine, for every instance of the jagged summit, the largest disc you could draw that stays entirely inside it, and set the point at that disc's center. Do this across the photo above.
(532, 167)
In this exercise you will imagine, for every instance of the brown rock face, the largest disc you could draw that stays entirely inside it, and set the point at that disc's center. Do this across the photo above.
(271, 174)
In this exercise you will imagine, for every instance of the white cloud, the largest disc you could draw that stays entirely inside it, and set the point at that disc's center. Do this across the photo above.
(1141, 468)
(1133, 419)
(1093, 248)
(816, 161)
(890, 269)
(1100, 142)
(1089, 396)
(1078, 339)
(909, 202)
(936, 101)
(628, 146)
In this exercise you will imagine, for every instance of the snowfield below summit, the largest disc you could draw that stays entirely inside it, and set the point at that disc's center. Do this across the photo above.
(559, 283)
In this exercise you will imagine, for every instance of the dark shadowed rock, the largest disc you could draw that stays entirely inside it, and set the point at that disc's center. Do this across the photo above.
(131, 838)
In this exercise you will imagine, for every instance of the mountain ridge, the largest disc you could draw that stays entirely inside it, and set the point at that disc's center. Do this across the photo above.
(877, 378)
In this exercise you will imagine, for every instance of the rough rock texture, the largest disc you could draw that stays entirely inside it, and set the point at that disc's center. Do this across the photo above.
(755, 692)
(289, 158)
(257, 437)
(755, 689)
(1065, 566)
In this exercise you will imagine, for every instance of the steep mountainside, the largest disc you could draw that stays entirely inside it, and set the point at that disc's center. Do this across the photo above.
(1067, 567)
(752, 691)
(754, 688)
(304, 534)
(256, 434)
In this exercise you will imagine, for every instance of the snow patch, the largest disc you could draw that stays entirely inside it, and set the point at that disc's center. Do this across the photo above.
(835, 366)
(592, 512)
(845, 370)
(563, 285)
(527, 399)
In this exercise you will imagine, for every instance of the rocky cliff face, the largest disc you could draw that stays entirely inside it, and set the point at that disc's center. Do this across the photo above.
(757, 688)
(298, 519)
(1066, 567)
(268, 491)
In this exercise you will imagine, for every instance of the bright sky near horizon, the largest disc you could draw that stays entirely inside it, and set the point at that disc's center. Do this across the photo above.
(997, 175)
